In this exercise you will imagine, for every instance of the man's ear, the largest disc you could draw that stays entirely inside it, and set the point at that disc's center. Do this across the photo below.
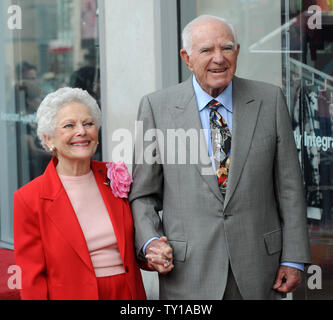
(186, 58)
(238, 49)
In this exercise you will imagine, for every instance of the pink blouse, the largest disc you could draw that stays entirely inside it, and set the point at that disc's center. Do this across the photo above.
(95, 223)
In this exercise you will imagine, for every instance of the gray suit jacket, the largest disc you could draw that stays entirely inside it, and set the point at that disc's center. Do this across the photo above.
(262, 220)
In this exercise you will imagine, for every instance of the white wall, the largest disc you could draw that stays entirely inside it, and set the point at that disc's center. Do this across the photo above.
(128, 61)
(129, 66)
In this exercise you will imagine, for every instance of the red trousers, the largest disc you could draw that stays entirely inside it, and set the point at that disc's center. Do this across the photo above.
(113, 288)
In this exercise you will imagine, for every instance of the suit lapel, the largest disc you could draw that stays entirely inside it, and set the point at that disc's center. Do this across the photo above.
(186, 116)
(114, 206)
(62, 213)
(245, 114)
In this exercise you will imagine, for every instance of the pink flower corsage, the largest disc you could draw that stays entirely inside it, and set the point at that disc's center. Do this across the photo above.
(119, 179)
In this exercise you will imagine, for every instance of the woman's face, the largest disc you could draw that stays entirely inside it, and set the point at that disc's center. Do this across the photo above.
(76, 135)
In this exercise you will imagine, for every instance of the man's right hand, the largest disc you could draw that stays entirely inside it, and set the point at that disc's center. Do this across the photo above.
(159, 255)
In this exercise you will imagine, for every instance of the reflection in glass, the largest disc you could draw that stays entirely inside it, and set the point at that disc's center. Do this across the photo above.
(308, 76)
(57, 46)
(52, 55)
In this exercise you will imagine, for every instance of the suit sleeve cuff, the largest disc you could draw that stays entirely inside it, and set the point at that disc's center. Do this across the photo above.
(299, 266)
(146, 244)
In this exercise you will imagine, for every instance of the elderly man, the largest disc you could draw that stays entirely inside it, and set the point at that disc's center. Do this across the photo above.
(239, 233)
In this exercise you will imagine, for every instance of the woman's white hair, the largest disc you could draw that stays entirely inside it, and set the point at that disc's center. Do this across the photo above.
(188, 31)
(53, 102)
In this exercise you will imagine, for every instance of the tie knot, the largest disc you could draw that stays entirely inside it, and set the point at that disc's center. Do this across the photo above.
(213, 104)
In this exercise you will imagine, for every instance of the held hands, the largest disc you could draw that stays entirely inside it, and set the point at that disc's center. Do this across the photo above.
(159, 255)
(287, 279)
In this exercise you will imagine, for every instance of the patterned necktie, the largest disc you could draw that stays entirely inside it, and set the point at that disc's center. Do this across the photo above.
(221, 144)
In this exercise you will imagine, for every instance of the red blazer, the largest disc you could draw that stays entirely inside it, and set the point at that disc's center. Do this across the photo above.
(49, 244)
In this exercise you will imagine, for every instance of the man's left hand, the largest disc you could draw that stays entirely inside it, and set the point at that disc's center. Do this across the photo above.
(287, 279)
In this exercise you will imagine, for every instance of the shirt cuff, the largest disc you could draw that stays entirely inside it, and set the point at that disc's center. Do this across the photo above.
(146, 244)
(299, 266)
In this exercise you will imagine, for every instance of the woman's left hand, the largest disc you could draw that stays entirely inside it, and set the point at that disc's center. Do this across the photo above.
(159, 256)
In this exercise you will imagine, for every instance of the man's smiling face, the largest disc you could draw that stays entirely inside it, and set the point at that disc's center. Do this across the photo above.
(213, 59)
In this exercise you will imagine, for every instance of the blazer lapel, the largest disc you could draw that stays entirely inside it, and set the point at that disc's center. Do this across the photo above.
(62, 213)
(114, 206)
(245, 114)
(186, 116)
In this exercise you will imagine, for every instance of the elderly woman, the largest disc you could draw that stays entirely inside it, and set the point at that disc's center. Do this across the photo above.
(73, 229)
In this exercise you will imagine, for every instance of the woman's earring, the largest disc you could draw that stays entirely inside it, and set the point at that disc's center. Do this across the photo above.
(51, 149)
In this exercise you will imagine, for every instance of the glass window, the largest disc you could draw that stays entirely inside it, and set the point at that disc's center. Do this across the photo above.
(284, 43)
(44, 45)
(308, 74)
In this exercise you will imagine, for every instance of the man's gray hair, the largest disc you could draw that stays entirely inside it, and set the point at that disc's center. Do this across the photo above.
(53, 102)
(188, 31)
